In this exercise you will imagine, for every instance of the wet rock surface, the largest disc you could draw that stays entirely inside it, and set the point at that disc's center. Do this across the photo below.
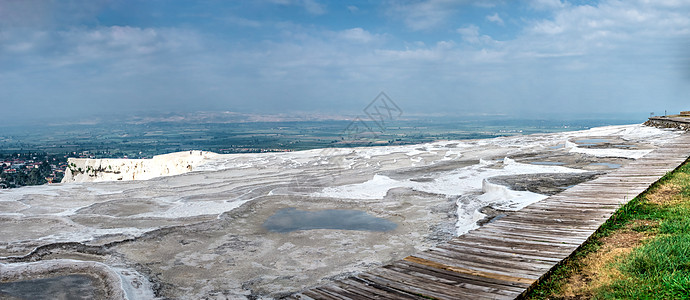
(67, 287)
(546, 183)
(202, 234)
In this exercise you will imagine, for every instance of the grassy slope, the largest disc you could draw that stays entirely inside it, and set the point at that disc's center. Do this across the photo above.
(642, 252)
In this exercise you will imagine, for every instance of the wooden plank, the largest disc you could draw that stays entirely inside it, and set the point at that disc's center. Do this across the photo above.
(405, 286)
(573, 213)
(569, 202)
(461, 277)
(519, 243)
(518, 264)
(561, 221)
(344, 293)
(507, 255)
(316, 293)
(511, 263)
(533, 229)
(423, 282)
(556, 254)
(467, 271)
(299, 296)
(543, 236)
(374, 291)
(576, 234)
(470, 265)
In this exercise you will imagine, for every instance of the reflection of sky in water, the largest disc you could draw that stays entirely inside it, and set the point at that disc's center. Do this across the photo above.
(559, 146)
(590, 142)
(69, 287)
(291, 219)
(547, 163)
(610, 165)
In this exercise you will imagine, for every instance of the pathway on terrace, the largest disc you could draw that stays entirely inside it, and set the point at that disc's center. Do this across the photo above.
(503, 259)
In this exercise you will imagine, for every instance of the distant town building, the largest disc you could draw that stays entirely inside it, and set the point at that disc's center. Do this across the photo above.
(685, 113)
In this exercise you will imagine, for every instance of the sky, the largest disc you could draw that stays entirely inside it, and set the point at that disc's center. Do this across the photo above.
(78, 58)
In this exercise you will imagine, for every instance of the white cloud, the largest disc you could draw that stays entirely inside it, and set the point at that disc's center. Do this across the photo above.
(242, 21)
(352, 8)
(125, 40)
(470, 34)
(47, 14)
(610, 25)
(100, 46)
(495, 18)
(580, 54)
(665, 3)
(311, 6)
(357, 35)
(437, 53)
(20, 47)
(427, 14)
(430, 14)
(547, 4)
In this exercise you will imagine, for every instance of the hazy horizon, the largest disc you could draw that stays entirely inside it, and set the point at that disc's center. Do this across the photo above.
(80, 60)
(142, 117)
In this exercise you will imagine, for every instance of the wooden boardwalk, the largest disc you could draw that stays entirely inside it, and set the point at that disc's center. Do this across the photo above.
(503, 259)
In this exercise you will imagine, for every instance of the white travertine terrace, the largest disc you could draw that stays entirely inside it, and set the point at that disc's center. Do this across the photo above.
(195, 227)
(111, 169)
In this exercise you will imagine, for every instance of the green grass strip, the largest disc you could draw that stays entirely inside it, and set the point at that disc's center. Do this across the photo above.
(659, 269)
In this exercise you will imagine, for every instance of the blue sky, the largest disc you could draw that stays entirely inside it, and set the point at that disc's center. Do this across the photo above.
(77, 58)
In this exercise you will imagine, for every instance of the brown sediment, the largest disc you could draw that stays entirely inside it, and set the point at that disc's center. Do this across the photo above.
(666, 194)
(598, 270)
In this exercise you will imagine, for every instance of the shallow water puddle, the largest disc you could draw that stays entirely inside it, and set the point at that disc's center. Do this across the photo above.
(591, 142)
(567, 187)
(547, 163)
(69, 287)
(610, 165)
(291, 219)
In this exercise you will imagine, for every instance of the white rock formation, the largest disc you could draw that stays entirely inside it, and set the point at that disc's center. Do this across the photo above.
(202, 233)
(110, 169)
